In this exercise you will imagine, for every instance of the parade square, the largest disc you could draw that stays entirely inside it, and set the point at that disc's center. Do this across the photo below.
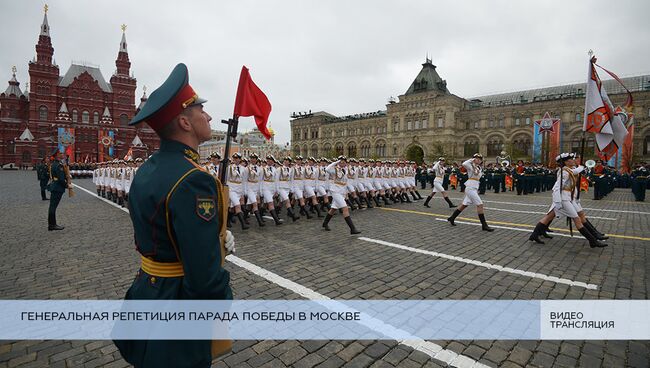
(89, 260)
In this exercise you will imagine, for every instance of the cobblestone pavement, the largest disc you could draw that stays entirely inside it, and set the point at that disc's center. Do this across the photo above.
(94, 258)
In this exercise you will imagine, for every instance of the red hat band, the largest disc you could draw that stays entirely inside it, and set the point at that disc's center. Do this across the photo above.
(184, 98)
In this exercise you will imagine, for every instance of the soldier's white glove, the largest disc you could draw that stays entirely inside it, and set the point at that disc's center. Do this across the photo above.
(230, 242)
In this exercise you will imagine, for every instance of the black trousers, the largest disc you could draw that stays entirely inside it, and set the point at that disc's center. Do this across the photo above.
(55, 198)
(43, 187)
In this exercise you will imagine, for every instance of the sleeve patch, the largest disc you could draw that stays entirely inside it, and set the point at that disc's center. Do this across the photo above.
(206, 208)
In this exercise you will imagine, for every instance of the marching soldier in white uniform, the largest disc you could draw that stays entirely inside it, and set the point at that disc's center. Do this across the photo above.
(236, 188)
(253, 176)
(270, 177)
(285, 184)
(311, 177)
(298, 185)
(323, 183)
(338, 189)
(439, 171)
(564, 203)
(474, 173)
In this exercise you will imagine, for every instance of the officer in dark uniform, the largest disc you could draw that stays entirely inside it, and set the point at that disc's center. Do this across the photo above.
(518, 176)
(58, 185)
(639, 179)
(43, 176)
(178, 212)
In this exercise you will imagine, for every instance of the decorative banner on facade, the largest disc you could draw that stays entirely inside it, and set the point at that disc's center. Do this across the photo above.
(105, 145)
(555, 143)
(626, 154)
(537, 144)
(66, 143)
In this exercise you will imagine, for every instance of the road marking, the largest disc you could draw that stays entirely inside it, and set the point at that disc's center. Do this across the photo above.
(433, 350)
(510, 228)
(632, 237)
(543, 213)
(534, 275)
(548, 206)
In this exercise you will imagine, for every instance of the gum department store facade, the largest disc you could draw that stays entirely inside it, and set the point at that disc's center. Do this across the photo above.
(430, 121)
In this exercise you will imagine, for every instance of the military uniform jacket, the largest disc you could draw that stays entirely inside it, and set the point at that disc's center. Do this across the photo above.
(174, 207)
(59, 182)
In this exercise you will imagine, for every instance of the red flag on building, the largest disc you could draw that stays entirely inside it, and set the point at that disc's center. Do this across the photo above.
(251, 101)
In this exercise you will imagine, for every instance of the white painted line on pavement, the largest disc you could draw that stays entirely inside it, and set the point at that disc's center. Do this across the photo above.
(510, 228)
(433, 350)
(535, 275)
(543, 213)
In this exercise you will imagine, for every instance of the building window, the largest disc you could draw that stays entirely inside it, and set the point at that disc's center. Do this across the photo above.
(494, 147)
(517, 122)
(408, 125)
(352, 150)
(417, 124)
(396, 127)
(75, 116)
(502, 123)
(476, 125)
(85, 117)
(441, 123)
(395, 150)
(470, 148)
(527, 121)
(339, 149)
(380, 149)
(491, 123)
(96, 117)
(578, 117)
(124, 119)
(42, 113)
(425, 124)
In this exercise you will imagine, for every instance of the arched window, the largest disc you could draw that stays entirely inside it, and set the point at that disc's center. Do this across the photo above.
(352, 149)
(339, 149)
(96, 117)
(327, 149)
(85, 117)
(75, 116)
(380, 149)
(365, 149)
(314, 150)
(522, 146)
(296, 151)
(646, 145)
(124, 119)
(470, 147)
(495, 147)
(42, 113)
(27, 157)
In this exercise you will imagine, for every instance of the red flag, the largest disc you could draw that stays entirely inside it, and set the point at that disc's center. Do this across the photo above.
(584, 184)
(251, 101)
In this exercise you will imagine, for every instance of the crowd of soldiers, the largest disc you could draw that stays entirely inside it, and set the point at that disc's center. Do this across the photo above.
(528, 178)
(113, 179)
(313, 187)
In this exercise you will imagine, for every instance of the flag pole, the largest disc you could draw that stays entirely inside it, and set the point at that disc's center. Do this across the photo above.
(232, 134)
(582, 141)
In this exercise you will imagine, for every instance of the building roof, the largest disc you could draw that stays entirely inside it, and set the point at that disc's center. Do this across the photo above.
(26, 136)
(13, 88)
(634, 84)
(76, 70)
(428, 80)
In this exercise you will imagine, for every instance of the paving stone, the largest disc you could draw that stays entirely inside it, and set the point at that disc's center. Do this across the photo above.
(22, 359)
(332, 362)
(542, 360)
(376, 350)
(360, 361)
(312, 345)
(293, 355)
(350, 351)
(260, 359)
(396, 355)
(309, 361)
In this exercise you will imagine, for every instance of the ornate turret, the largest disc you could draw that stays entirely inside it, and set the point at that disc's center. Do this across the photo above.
(143, 99)
(122, 62)
(428, 80)
(123, 84)
(63, 116)
(44, 49)
(106, 117)
(14, 86)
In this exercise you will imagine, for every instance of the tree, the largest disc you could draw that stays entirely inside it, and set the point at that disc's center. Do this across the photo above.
(415, 153)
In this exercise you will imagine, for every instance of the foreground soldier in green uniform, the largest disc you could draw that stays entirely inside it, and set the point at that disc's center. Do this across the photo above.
(178, 214)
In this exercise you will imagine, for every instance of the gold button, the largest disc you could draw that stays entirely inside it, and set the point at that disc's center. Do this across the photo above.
(153, 279)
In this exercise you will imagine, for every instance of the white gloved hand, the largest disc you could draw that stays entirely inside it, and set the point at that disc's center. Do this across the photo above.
(230, 242)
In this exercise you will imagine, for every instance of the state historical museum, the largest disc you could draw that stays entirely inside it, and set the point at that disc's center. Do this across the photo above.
(78, 112)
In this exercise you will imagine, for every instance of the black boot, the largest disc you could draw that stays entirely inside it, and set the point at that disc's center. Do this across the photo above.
(484, 224)
(593, 242)
(413, 195)
(305, 212)
(99, 192)
(358, 202)
(374, 198)
(292, 215)
(426, 202)
(349, 203)
(451, 205)
(592, 229)
(326, 222)
(276, 219)
(353, 230)
(406, 197)
(544, 232)
(242, 221)
(368, 203)
(229, 220)
(258, 216)
(539, 229)
(316, 208)
(418, 193)
(453, 216)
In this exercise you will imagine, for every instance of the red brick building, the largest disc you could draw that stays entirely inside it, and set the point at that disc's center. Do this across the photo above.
(78, 111)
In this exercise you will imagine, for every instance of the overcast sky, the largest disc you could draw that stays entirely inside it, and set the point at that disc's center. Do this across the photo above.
(341, 56)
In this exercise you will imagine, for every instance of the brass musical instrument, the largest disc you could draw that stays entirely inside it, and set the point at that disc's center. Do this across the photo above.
(505, 163)
(590, 164)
